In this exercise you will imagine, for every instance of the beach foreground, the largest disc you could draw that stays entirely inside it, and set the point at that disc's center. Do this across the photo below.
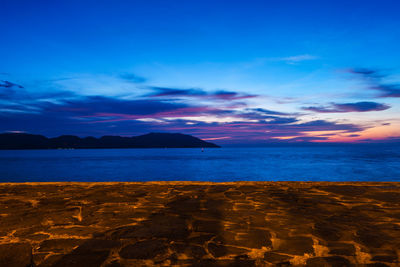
(200, 224)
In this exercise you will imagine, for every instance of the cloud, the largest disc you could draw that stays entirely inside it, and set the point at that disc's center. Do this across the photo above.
(164, 109)
(388, 90)
(164, 91)
(196, 92)
(133, 78)
(227, 95)
(98, 104)
(298, 58)
(353, 135)
(368, 73)
(263, 132)
(18, 96)
(267, 111)
(7, 84)
(116, 112)
(81, 119)
(10, 90)
(323, 125)
(100, 115)
(374, 78)
(18, 108)
(349, 107)
(269, 116)
(278, 120)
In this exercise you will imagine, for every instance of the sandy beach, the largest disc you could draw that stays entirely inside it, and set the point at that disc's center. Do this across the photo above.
(200, 224)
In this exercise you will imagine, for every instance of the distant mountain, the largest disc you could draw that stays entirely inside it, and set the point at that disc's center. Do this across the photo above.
(151, 140)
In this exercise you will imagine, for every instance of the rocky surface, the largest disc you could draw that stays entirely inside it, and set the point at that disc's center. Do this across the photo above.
(200, 224)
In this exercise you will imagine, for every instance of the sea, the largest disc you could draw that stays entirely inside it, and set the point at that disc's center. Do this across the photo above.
(366, 162)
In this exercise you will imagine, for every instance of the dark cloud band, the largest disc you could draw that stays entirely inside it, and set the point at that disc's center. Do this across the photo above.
(375, 77)
(349, 107)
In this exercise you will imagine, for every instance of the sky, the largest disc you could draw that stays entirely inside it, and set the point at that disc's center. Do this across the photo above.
(231, 72)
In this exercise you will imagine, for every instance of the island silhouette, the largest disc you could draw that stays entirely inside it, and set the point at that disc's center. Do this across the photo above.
(150, 140)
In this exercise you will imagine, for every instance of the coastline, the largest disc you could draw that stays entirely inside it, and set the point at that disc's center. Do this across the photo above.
(199, 223)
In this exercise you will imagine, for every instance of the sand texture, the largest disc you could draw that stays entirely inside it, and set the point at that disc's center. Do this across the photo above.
(200, 224)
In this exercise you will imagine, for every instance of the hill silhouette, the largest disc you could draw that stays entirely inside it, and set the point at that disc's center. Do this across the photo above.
(151, 140)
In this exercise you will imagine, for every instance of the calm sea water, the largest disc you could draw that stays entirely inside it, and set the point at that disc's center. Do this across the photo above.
(310, 163)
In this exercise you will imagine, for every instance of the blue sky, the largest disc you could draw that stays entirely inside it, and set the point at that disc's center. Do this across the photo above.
(232, 71)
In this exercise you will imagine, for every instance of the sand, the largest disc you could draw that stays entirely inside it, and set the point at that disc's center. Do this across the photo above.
(200, 224)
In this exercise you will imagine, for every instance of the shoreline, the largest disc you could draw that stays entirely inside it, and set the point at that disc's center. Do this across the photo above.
(200, 223)
(356, 183)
